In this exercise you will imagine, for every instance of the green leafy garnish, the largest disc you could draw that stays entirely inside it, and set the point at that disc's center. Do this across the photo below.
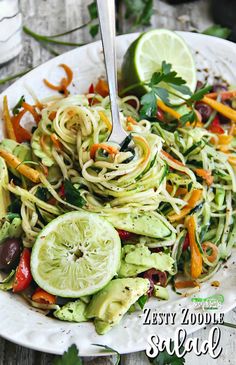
(139, 10)
(107, 349)
(142, 301)
(218, 31)
(189, 117)
(93, 30)
(72, 195)
(18, 105)
(70, 357)
(42, 193)
(92, 9)
(164, 358)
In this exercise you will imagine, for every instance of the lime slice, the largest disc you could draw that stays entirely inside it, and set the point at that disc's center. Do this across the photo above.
(76, 254)
(146, 54)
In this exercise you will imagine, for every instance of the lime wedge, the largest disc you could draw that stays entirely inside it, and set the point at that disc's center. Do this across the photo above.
(146, 54)
(76, 254)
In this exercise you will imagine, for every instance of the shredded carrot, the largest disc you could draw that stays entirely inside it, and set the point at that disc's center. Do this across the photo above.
(110, 149)
(131, 120)
(224, 95)
(56, 142)
(192, 202)
(105, 120)
(64, 83)
(31, 109)
(186, 284)
(7, 119)
(15, 163)
(52, 115)
(22, 135)
(167, 155)
(146, 149)
(129, 128)
(221, 108)
(196, 257)
(214, 251)
(102, 88)
(206, 175)
(179, 191)
(41, 296)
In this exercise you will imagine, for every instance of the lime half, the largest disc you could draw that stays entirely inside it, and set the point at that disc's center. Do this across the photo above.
(146, 54)
(76, 254)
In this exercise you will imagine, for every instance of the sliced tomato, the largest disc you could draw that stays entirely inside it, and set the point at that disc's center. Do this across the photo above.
(23, 274)
(186, 242)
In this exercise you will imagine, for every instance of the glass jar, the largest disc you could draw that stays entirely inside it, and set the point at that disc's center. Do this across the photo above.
(10, 30)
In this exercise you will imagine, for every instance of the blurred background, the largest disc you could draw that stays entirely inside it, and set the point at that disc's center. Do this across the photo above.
(43, 19)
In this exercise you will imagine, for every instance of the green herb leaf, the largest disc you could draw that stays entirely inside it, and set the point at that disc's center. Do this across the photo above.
(218, 31)
(198, 95)
(149, 104)
(109, 349)
(166, 75)
(42, 193)
(72, 195)
(140, 10)
(93, 30)
(142, 301)
(93, 12)
(189, 117)
(164, 358)
(18, 105)
(70, 357)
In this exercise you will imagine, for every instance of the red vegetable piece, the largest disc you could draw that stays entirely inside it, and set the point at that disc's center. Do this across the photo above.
(160, 115)
(23, 274)
(215, 126)
(155, 277)
(186, 242)
(125, 235)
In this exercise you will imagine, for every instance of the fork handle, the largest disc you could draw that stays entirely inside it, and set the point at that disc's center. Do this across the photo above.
(107, 20)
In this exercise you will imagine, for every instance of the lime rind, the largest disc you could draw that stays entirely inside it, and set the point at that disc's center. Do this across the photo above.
(76, 254)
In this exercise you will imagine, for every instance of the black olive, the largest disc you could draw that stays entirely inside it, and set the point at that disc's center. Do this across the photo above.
(204, 110)
(10, 251)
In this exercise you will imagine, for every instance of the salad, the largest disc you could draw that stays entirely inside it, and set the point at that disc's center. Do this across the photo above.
(90, 230)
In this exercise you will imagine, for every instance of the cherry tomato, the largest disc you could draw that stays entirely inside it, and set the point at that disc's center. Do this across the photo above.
(215, 126)
(91, 89)
(186, 242)
(160, 115)
(125, 235)
(23, 273)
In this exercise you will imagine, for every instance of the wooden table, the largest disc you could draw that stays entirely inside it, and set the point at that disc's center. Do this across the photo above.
(54, 16)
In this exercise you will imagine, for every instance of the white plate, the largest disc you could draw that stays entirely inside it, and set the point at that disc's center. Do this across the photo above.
(24, 325)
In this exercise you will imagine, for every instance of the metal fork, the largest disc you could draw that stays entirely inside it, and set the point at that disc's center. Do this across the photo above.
(107, 20)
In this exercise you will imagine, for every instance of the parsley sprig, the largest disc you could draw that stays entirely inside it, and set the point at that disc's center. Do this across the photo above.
(165, 83)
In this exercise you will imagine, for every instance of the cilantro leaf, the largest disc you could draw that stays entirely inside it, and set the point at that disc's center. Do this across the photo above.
(140, 10)
(142, 301)
(93, 30)
(72, 194)
(218, 31)
(149, 104)
(18, 105)
(198, 95)
(183, 89)
(92, 9)
(70, 357)
(189, 117)
(164, 358)
(166, 75)
(109, 349)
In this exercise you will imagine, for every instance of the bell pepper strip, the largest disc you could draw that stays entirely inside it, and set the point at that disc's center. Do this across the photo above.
(215, 126)
(205, 175)
(102, 88)
(15, 163)
(220, 108)
(167, 155)
(194, 199)
(23, 276)
(196, 257)
(41, 296)
(105, 120)
(168, 110)
(224, 139)
(179, 191)
(7, 120)
(214, 251)
(64, 83)
(186, 284)
(22, 135)
(232, 160)
(224, 95)
(52, 116)
(31, 109)
(111, 150)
